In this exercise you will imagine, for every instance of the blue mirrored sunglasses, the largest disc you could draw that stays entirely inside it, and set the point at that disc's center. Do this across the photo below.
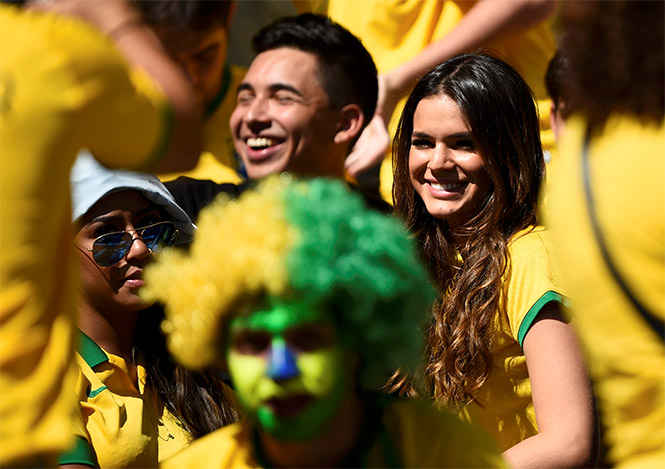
(111, 248)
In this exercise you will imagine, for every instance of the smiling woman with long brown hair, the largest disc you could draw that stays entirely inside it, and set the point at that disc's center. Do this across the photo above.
(468, 167)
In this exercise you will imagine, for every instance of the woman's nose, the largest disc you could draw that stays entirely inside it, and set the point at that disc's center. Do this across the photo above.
(442, 159)
(138, 249)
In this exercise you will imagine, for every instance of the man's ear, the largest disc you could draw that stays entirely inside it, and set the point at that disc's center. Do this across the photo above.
(350, 123)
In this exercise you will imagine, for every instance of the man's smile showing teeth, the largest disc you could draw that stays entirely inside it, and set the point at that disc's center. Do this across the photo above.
(261, 142)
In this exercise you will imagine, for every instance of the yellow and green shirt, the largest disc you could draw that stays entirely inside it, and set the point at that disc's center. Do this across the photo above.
(122, 423)
(504, 405)
(63, 87)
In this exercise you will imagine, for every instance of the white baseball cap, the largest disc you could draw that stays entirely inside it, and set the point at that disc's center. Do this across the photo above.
(90, 182)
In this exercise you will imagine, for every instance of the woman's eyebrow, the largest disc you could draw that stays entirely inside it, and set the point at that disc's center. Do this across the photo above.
(104, 219)
(148, 209)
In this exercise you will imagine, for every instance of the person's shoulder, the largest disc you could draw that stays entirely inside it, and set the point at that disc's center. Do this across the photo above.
(530, 241)
(430, 436)
(34, 31)
(192, 195)
(230, 446)
(373, 199)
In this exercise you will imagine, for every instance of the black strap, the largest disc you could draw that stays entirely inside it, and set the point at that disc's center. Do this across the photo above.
(656, 324)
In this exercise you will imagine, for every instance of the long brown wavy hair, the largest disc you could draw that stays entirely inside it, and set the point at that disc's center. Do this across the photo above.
(498, 106)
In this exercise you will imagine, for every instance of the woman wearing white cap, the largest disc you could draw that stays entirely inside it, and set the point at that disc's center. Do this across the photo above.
(137, 407)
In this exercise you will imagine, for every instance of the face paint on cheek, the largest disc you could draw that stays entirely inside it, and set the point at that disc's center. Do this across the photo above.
(293, 382)
(320, 370)
(247, 372)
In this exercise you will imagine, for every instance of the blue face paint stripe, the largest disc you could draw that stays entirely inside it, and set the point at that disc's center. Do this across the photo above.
(282, 362)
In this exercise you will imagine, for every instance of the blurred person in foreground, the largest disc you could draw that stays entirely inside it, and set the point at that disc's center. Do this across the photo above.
(606, 211)
(195, 33)
(65, 84)
(310, 320)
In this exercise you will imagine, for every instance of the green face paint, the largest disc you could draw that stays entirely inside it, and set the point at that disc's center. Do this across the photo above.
(288, 368)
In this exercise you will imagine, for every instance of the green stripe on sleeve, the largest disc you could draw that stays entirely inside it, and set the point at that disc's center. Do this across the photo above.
(82, 453)
(533, 312)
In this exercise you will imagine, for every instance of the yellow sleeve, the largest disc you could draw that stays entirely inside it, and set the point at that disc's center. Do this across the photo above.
(429, 437)
(532, 280)
(125, 118)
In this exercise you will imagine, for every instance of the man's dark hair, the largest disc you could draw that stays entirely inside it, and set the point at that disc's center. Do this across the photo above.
(557, 82)
(198, 15)
(346, 70)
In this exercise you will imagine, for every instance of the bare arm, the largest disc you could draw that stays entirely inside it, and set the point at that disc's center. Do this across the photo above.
(486, 22)
(121, 22)
(565, 411)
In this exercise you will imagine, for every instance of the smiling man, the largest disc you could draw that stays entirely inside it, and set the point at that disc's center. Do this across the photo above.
(310, 320)
(306, 97)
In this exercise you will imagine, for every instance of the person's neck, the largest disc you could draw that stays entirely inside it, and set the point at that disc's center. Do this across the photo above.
(325, 450)
(113, 332)
(329, 163)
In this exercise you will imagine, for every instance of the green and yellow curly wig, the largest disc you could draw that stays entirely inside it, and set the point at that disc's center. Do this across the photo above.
(314, 241)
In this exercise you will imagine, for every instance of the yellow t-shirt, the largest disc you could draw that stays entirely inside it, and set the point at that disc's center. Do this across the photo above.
(395, 31)
(63, 87)
(505, 406)
(627, 359)
(218, 161)
(122, 425)
(411, 434)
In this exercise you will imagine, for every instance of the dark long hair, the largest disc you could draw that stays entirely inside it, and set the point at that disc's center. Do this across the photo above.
(499, 108)
(200, 400)
(616, 59)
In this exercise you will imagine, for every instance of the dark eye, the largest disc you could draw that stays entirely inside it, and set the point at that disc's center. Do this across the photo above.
(284, 98)
(466, 145)
(421, 143)
(205, 57)
(310, 337)
(149, 220)
(105, 228)
(251, 342)
(245, 98)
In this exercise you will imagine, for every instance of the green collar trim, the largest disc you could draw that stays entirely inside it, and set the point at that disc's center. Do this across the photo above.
(90, 351)
(226, 81)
